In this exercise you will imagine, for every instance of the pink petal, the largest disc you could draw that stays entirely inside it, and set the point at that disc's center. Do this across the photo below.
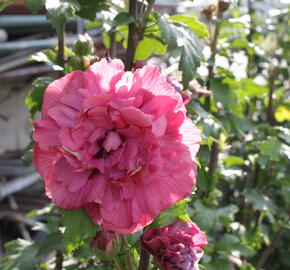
(62, 115)
(44, 161)
(103, 75)
(112, 141)
(133, 116)
(46, 134)
(68, 84)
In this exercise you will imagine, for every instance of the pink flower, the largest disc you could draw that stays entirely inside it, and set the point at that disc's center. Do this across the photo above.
(104, 241)
(116, 143)
(177, 246)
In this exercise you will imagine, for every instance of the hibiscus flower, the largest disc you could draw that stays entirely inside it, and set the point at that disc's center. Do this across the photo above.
(116, 143)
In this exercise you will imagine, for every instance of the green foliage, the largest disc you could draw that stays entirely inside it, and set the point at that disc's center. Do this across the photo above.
(35, 96)
(22, 256)
(4, 4)
(34, 5)
(172, 214)
(182, 41)
(78, 227)
(88, 8)
(197, 27)
(147, 47)
(244, 200)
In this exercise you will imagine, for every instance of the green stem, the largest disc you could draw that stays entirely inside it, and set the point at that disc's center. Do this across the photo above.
(144, 259)
(128, 258)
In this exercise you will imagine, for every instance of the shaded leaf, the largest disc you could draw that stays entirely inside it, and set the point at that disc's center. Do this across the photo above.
(35, 96)
(259, 201)
(34, 5)
(78, 227)
(121, 19)
(89, 8)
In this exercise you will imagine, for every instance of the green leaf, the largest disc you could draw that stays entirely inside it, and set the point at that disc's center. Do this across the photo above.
(177, 35)
(197, 27)
(35, 96)
(54, 241)
(78, 227)
(260, 201)
(34, 5)
(22, 255)
(226, 92)
(227, 242)
(121, 19)
(27, 155)
(252, 89)
(172, 214)
(147, 46)
(5, 4)
(228, 212)
(89, 8)
(233, 160)
(219, 264)
(48, 57)
(205, 216)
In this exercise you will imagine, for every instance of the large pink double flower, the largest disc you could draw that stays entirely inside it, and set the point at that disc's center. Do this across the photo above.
(116, 143)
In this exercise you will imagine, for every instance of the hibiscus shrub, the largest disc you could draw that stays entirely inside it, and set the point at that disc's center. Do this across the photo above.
(153, 168)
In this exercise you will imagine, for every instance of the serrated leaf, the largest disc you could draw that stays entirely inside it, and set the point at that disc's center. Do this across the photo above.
(197, 27)
(34, 5)
(78, 227)
(177, 35)
(172, 214)
(35, 96)
(260, 201)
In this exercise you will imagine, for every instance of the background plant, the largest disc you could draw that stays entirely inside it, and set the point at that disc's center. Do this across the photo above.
(243, 186)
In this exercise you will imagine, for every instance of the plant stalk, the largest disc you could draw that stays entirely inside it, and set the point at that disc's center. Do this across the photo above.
(58, 260)
(144, 259)
(270, 110)
(128, 258)
(136, 32)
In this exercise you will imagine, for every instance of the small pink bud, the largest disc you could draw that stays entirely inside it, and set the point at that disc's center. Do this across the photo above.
(104, 241)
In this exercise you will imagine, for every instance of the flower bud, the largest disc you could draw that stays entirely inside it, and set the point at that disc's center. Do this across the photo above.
(84, 45)
(104, 241)
(176, 246)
